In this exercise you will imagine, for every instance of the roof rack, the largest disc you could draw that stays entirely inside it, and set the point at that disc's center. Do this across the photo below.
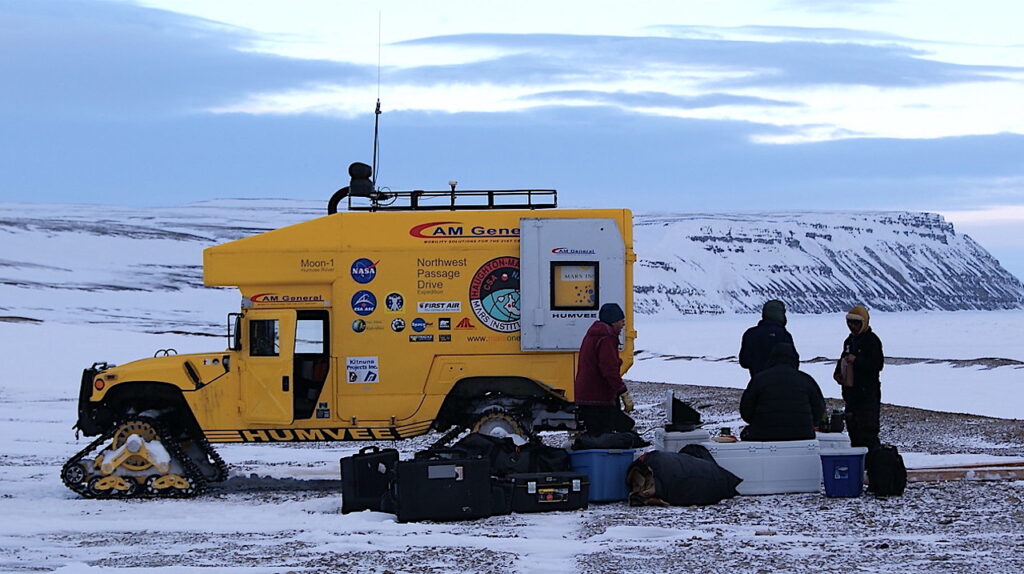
(422, 200)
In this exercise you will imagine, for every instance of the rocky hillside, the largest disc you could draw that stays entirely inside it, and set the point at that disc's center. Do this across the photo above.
(816, 262)
(140, 269)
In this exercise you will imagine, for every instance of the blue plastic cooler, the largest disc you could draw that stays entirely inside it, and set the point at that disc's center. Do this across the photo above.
(843, 471)
(606, 469)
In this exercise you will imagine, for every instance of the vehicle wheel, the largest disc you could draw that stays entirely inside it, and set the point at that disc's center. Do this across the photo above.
(95, 491)
(127, 429)
(499, 424)
(74, 473)
(133, 489)
(149, 488)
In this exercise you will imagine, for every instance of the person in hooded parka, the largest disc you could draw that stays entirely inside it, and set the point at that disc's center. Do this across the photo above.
(758, 340)
(781, 402)
(858, 370)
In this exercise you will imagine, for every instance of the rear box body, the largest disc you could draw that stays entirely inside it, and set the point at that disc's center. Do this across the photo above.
(771, 467)
(546, 491)
(365, 477)
(453, 489)
(606, 469)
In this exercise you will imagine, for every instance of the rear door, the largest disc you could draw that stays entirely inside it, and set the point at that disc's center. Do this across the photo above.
(268, 341)
(569, 268)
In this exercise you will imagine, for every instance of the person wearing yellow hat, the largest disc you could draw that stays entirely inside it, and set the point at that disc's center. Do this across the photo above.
(858, 371)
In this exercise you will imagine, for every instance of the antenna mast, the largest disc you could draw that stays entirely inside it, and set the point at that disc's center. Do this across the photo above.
(376, 113)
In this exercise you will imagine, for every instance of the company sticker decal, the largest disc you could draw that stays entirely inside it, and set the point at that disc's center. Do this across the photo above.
(364, 302)
(444, 324)
(465, 323)
(394, 302)
(419, 324)
(398, 325)
(323, 410)
(307, 265)
(439, 307)
(421, 338)
(285, 298)
(363, 270)
(572, 251)
(359, 325)
(362, 370)
(494, 294)
(456, 230)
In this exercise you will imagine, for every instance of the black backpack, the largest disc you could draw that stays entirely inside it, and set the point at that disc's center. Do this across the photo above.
(887, 475)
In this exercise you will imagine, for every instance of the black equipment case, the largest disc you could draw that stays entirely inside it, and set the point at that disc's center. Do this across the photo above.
(365, 477)
(544, 491)
(442, 488)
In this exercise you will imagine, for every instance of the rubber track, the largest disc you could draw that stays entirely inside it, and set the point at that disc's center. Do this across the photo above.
(214, 458)
(191, 469)
(448, 437)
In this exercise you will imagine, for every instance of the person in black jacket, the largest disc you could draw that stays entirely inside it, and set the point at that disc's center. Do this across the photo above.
(857, 370)
(781, 402)
(758, 340)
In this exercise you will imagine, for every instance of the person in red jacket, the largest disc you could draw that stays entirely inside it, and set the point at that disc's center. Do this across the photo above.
(598, 385)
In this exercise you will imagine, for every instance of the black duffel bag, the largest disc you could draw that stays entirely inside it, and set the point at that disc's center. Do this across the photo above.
(679, 479)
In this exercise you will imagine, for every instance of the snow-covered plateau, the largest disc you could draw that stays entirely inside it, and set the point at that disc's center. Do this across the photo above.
(80, 284)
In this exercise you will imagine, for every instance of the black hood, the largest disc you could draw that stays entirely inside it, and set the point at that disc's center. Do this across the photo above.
(784, 354)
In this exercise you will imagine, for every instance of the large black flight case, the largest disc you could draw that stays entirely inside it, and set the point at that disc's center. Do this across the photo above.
(365, 477)
(439, 487)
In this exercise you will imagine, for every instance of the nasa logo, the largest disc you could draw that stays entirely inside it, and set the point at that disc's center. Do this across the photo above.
(363, 270)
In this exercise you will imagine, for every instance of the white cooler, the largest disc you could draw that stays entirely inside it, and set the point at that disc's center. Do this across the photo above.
(673, 441)
(771, 467)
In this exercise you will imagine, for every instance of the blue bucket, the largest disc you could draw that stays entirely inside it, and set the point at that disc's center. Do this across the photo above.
(606, 469)
(843, 471)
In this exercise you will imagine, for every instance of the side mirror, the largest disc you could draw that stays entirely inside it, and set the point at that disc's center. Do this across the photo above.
(234, 331)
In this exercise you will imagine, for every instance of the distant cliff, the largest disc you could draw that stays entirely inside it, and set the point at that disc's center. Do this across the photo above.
(816, 262)
(141, 269)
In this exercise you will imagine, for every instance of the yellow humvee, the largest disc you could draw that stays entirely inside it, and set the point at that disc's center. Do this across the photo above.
(420, 311)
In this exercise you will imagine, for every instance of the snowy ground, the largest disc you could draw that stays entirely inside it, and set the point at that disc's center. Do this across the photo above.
(287, 518)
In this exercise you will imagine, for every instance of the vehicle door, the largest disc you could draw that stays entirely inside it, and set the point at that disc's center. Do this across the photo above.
(569, 268)
(268, 340)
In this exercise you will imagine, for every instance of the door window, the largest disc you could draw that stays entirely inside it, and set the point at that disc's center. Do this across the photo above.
(264, 338)
(309, 337)
(574, 285)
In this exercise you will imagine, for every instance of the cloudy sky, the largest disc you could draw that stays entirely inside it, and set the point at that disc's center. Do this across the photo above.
(695, 105)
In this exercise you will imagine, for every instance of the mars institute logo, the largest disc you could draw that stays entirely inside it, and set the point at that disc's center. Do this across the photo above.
(494, 294)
